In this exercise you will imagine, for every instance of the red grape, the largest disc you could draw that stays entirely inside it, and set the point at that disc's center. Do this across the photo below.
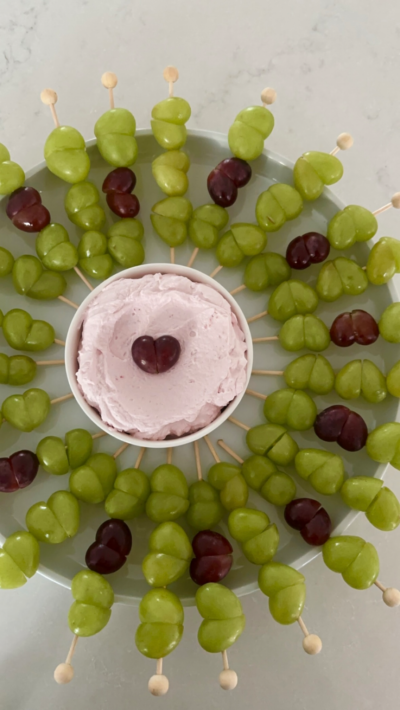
(156, 356)
(121, 180)
(122, 204)
(26, 211)
(18, 471)
(318, 530)
(213, 557)
(113, 544)
(310, 248)
(355, 327)
(308, 516)
(226, 178)
(339, 423)
(236, 169)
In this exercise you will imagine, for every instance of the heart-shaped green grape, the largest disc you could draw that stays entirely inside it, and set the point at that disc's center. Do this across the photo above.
(91, 610)
(168, 499)
(26, 411)
(19, 559)
(65, 154)
(393, 380)
(55, 520)
(128, 498)
(369, 495)
(277, 205)
(6, 262)
(169, 171)
(58, 458)
(304, 332)
(389, 324)
(383, 444)
(340, 277)
(161, 628)
(223, 616)
(258, 537)
(30, 279)
(54, 248)
(294, 408)
(383, 261)
(291, 298)
(93, 257)
(351, 225)
(170, 218)
(124, 245)
(206, 510)
(115, 131)
(312, 372)
(169, 557)
(16, 370)
(356, 560)
(260, 474)
(249, 130)
(313, 171)
(205, 225)
(24, 333)
(93, 481)
(82, 206)
(11, 174)
(322, 469)
(168, 124)
(228, 480)
(265, 270)
(241, 240)
(361, 377)
(273, 441)
(286, 590)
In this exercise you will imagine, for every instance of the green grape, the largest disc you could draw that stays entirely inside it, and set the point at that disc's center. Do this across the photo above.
(294, 408)
(94, 597)
(169, 171)
(291, 298)
(223, 616)
(323, 470)
(351, 225)
(241, 240)
(57, 458)
(383, 444)
(30, 279)
(393, 380)
(258, 537)
(161, 627)
(369, 495)
(65, 154)
(313, 171)
(93, 257)
(124, 245)
(340, 277)
(93, 481)
(248, 132)
(170, 218)
(82, 206)
(206, 510)
(168, 124)
(168, 499)
(19, 559)
(6, 260)
(16, 370)
(389, 324)
(265, 270)
(361, 377)
(115, 131)
(79, 445)
(128, 498)
(26, 411)
(356, 560)
(54, 248)
(277, 205)
(11, 174)
(312, 372)
(383, 261)
(56, 520)
(169, 557)
(22, 332)
(205, 224)
(304, 332)
(260, 474)
(286, 590)
(272, 441)
(228, 480)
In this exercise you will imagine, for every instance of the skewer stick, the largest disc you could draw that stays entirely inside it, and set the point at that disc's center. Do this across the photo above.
(99, 435)
(42, 363)
(192, 258)
(64, 672)
(139, 458)
(158, 683)
(61, 399)
(110, 81)
(211, 447)
(268, 372)
(390, 596)
(257, 317)
(238, 289)
(216, 271)
(49, 98)
(253, 393)
(83, 278)
(171, 75)
(70, 303)
(230, 451)
(198, 461)
(238, 423)
(312, 643)
(394, 202)
(344, 142)
(228, 679)
(169, 455)
(59, 342)
(172, 255)
(120, 450)
(266, 339)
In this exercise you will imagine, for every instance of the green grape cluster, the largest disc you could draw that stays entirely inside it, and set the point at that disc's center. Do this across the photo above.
(312, 372)
(292, 298)
(30, 279)
(58, 457)
(91, 610)
(205, 508)
(351, 225)
(22, 332)
(389, 324)
(65, 154)
(169, 497)
(223, 618)
(19, 559)
(340, 277)
(383, 261)
(26, 411)
(94, 480)
(205, 225)
(361, 377)
(356, 560)
(169, 171)
(241, 240)
(304, 331)
(170, 219)
(56, 520)
(292, 408)
(314, 170)
(268, 269)
(275, 486)
(277, 205)
(124, 242)
(286, 590)
(168, 122)
(11, 174)
(82, 206)
(383, 444)
(115, 133)
(169, 556)
(258, 537)
(273, 441)
(127, 499)
(94, 258)
(250, 129)
(378, 502)
(54, 248)
(161, 628)
(322, 469)
(228, 480)
(16, 370)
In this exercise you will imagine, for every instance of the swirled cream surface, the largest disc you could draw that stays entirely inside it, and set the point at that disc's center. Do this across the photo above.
(210, 372)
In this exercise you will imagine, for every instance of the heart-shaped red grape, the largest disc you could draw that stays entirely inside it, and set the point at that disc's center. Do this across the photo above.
(122, 180)
(18, 471)
(113, 544)
(355, 327)
(26, 211)
(310, 518)
(213, 557)
(339, 423)
(223, 182)
(156, 356)
(123, 205)
(310, 248)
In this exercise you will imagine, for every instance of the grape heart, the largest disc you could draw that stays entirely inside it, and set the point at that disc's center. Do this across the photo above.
(213, 557)
(122, 180)
(113, 544)
(156, 356)
(338, 423)
(18, 471)
(223, 182)
(26, 211)
(355, 327)
(310, 248)
(308, 516)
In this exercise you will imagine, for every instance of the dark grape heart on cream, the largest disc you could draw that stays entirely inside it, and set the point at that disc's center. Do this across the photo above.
(156, 356)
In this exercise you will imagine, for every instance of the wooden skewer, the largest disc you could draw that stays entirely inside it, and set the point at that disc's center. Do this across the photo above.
(110, 81)
(198, 461)
(120, 450)
(238, 289)
(139, 458)
(83, 278)
(64, 672)
(238, 423)
(42, 363)
(312, 643)
(268, 372)
(172, 255)
(159, 683)
(344, 142)
(49, 98)
(192, 258)
(253, 393)
(216, 271)
(99, 435)
(70, 303)
(171, 75)
(59, 342)
(228, 679)
(257, 317)
(169, 455)
(266, 339)
(390, 596)
(394, 202)
(230, 451)
(211, 447)
(61, 399)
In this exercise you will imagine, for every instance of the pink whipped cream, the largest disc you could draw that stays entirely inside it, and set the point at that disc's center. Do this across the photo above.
(210, 372)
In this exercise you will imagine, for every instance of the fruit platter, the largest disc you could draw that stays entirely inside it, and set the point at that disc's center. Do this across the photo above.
(199, 374)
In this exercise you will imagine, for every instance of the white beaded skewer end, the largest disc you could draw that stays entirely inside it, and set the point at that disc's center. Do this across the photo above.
(312, 643)
(268, 96)
(110, 81)
(228, 679)
(390, 595)
(64, 672)
(394, 202)
(50, 98)
(158, 684)
(344, 142)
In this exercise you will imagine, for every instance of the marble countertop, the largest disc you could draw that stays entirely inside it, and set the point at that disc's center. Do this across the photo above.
(335, 65)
